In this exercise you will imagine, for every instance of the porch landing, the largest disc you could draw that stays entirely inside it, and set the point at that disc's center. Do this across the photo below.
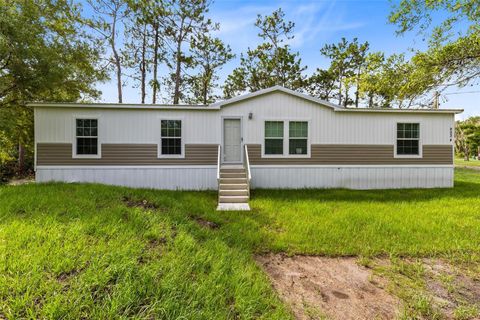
(233, 207)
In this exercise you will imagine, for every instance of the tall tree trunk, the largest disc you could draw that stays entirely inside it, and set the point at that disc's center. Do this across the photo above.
(176, 94)
(370, 100)
(339, 88)
(345, 102)
(204, 92)
(206, 84)
(21, 159)
(143, 64)
(357, 93)
(155, 64)
(117, 60)
(466, 153)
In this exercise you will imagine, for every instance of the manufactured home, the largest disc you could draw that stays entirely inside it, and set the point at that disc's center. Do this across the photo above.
(273, 138)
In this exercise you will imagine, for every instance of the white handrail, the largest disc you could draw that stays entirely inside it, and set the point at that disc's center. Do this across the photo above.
(218, 161)
(248, 163)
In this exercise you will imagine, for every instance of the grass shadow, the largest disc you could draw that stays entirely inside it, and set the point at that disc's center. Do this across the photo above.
(461, 190)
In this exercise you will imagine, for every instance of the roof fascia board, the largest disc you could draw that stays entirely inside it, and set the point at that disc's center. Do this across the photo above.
(120, 106)
(429, 111)
(274, 89)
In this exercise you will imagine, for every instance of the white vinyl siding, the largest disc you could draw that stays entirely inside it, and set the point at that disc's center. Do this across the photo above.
(205, 127)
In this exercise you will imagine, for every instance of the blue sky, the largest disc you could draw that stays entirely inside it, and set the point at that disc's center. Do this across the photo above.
(317, 22)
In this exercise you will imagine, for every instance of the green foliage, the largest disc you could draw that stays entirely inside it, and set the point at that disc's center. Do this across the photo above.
(184, 21)
(391, 81)
(377, 81)
(322, 84)
(144, 47)
(105, 20)
(209, 55)
(467, 137)
(454, 51)
(44, 56)
(271, 63)
(348, 61)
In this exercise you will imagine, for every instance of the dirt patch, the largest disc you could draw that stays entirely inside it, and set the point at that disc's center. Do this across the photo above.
(153, 243)
(467, 167)
(21, 181)
(67, 275)
(64, 276)
(336, 288)
(205, 223)
(449, 287)
(144, 204)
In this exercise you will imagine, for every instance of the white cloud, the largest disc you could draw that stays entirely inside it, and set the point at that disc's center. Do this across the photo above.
(237, 26)
(320, 20)
(313, 21)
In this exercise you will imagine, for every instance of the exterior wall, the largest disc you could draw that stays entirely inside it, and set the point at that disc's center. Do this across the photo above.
(359, 146)
(57, 125)
(353, 177)
(329, 127)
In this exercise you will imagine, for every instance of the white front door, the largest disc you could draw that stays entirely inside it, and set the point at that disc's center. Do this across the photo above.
(232, 140)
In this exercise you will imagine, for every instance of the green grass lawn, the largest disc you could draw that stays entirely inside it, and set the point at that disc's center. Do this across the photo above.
(93, 251)
(471, 163)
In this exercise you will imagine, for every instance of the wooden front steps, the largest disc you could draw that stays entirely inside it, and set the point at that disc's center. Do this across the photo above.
(233, 188)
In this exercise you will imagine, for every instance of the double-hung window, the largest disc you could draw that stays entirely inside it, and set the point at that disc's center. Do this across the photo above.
(297, 137)
(408, 139)
(294, 144)
(171, 137)
(86, 135)
(274, 137)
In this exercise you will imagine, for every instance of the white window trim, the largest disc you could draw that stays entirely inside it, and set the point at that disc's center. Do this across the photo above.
(182, 141)
(99, 138)
(420, 144)
(286, 138)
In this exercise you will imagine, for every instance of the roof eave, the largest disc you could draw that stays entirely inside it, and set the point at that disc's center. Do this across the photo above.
(119, 106)
(431, 111)
(275, 89)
